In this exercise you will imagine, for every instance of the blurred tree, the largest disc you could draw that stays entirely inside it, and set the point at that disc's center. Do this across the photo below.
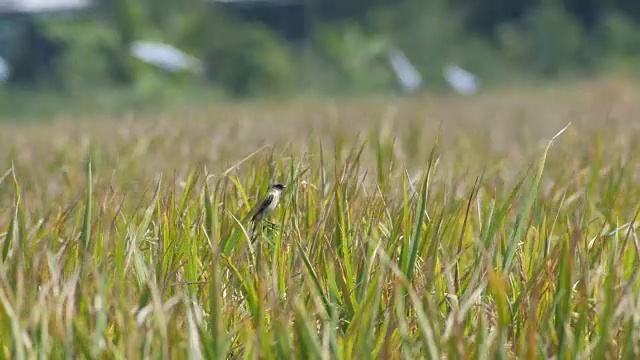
(618, 34)
(289, 19)
(550, 40)
(88, 58)
(247, 58)
(483, 16)
(617, 40)
(253, 47)
(359, 58)
(630, 8)
(589, 12)
(486, 16)
(124, 17)
(340, 10)
(34, 59)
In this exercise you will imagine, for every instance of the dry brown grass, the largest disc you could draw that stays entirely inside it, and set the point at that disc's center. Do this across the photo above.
(508, 120)
(339, 199)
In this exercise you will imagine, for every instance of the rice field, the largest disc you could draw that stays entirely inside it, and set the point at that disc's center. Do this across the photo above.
(502, 226)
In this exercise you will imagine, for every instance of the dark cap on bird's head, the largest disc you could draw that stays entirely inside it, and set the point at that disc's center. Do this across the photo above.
(277, 186)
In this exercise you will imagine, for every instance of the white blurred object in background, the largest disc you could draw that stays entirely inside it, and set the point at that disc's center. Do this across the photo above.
(461, 80)
(42, 6)
(165, 56)
(407, 75)
(4, 70)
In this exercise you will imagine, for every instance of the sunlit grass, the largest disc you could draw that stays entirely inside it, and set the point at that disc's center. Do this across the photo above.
(409, 229)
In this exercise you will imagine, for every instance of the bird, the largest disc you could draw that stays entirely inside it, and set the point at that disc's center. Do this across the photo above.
(268, 204)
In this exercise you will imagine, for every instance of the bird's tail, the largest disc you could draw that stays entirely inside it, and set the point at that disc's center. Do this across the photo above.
(252, 231)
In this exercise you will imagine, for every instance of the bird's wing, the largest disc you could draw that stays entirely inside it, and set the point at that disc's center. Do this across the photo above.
(262, 206)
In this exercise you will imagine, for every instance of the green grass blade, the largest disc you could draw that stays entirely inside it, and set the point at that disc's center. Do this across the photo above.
(85, 233)
(527, 208)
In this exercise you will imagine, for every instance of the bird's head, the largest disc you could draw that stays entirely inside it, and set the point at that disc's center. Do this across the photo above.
(278, 187)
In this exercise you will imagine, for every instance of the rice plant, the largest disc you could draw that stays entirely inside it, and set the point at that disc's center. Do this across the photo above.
(408, 229)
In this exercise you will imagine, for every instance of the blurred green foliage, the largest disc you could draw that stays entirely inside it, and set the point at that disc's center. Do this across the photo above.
(336, 46)
(248, 58)
(549, 39)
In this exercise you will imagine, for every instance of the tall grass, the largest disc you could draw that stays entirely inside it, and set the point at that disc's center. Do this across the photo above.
(400, 235)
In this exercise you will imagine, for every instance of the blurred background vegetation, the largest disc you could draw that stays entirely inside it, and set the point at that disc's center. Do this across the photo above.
(253, 48)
